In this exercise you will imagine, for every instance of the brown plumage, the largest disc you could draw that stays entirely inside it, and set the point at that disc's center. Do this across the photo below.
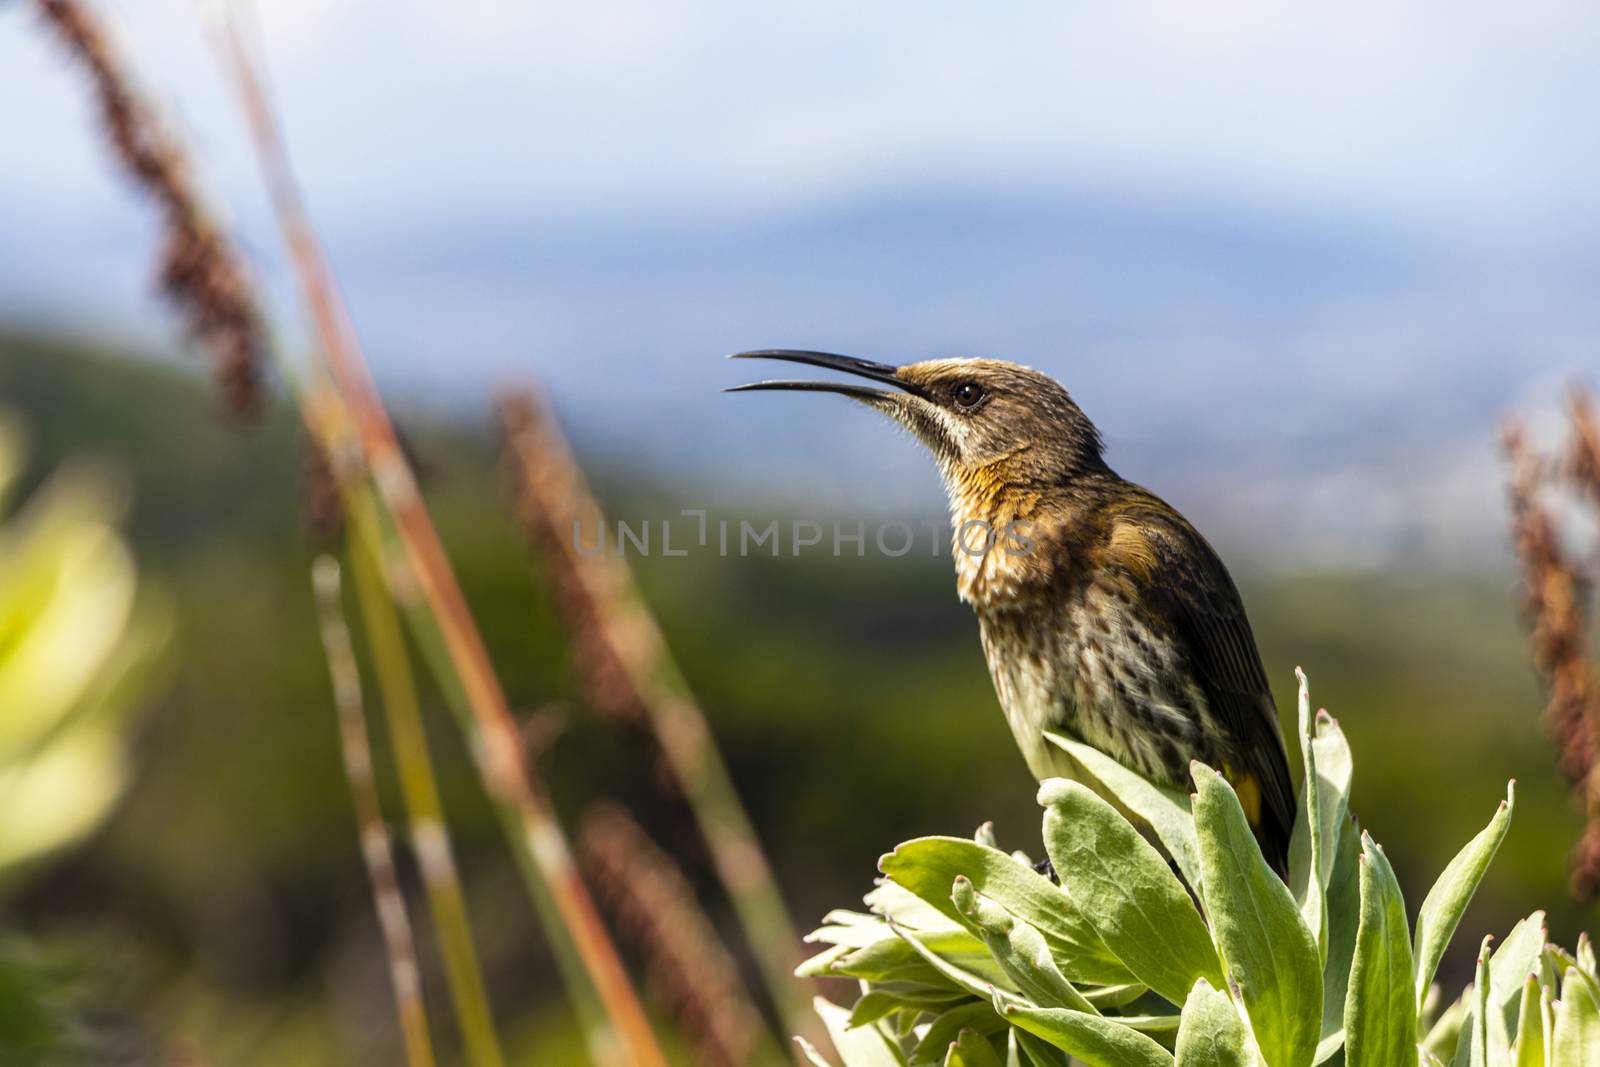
(1104, 614)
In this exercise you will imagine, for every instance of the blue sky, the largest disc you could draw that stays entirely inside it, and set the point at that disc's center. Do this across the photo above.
(1292, 257)
(1443, 113)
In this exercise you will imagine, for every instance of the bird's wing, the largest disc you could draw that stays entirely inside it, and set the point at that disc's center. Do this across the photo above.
(1183, 579)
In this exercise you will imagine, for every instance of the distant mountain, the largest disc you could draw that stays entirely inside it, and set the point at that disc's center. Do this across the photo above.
(1310, 388)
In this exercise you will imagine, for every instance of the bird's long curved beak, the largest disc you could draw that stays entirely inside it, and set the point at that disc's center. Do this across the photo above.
(861, 368)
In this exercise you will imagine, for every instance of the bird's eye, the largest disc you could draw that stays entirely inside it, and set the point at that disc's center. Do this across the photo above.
(968, 394)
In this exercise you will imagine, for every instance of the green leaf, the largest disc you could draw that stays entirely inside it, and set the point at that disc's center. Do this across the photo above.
(896, 904)
(1515, 959)
(978, 1015)
(984, 836)
(1165, 811)
(971, 1049)
(809, 1051)
(1442, 908)
(928, 867)
(1577, 1022)
(1530, 1040)
(846, 917)
(1550, 969)
(872, 1006)
(1164, 1023)
(1380, 1009)
(1327, 760)
(960, 977)
(1483, 1039)
(1211, 1034)
(1114, 996)
(1344, 919)
(1586, 954)
(1120, 882)
(853, 934)
(1033, 1052)
(1445, 1033)
(1305, 839)
(1563, 961)
(1267, 950)
(1547, 1015)
(821, 965)
(1094, 1039)
(1019, 949)
(1522, 953)
(893, 960)
(1335, 769)
(864, 1046)
(884, 999)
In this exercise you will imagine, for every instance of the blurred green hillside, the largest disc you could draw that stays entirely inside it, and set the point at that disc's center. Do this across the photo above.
(227, 900)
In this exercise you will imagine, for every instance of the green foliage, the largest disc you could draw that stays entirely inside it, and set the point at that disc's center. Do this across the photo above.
(966, 955)
(1147, 917)
(1210, 1032)
(1380, 1014)
(77, 652)
(1270, 953)
(79, 649)
(1575, 1036)
(1441, 911)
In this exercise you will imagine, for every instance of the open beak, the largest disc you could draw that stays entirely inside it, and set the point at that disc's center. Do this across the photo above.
(861, 368)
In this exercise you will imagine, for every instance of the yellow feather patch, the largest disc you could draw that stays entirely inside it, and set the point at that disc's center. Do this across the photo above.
(1130, 548)
(1249, 789)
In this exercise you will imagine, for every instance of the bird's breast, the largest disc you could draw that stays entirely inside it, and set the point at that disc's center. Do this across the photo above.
(1091, 664)
(1028, 680)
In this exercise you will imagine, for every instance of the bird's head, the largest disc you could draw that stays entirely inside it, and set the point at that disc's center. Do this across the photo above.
(984, 420)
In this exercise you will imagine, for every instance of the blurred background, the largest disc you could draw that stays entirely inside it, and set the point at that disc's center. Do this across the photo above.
(1298, 264)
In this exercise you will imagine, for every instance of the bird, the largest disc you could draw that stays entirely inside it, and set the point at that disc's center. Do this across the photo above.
(1103, 613)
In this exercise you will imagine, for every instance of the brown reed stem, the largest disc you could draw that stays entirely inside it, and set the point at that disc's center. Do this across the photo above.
(1582, 467)
(204, 278)
(688, 966)
(430, 835)
(582, 946)
(629, 670)
(356, 750)
(1557, 591)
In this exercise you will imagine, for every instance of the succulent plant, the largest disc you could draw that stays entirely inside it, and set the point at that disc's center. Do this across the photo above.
(1169, 940)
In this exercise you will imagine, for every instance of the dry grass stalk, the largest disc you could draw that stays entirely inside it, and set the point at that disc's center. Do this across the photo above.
(1557, 597)
(199, 273)
(1582, 468)
(594, 973)
(688, 966)
(202, 276)
(376, 850)
(321, 502)
(429, 833)
(627, 671)
(592, 594)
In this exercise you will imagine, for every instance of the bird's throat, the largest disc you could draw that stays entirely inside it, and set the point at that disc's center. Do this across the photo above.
(994, 544)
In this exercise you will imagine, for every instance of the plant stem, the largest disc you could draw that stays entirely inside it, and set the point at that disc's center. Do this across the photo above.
(202, 274)
(652, 901)
(356, 750)
(582, 946)
(557, 501)
(425, 630)
(429, 835)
